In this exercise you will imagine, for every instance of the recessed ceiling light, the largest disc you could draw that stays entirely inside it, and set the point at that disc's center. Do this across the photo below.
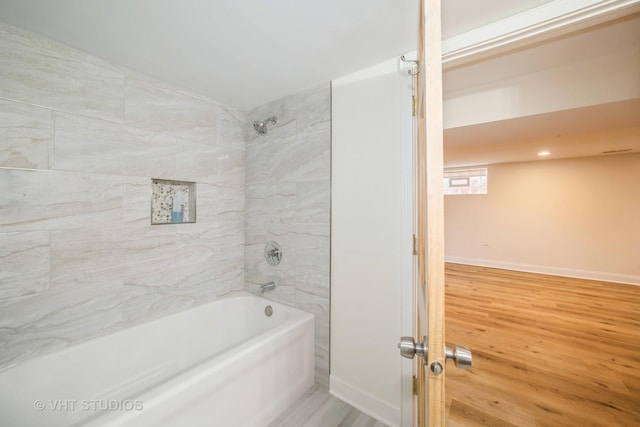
(544, 153)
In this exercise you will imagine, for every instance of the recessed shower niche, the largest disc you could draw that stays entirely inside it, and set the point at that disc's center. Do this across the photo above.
(173, 202)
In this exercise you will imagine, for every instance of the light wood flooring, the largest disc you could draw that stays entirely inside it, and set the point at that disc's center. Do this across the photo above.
(317, 408)
(547, 351)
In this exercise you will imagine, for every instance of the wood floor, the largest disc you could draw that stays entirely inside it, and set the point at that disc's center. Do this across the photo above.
(547, 351)
(317, 408)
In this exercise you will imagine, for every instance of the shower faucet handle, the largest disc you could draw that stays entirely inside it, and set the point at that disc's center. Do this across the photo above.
(273, 253)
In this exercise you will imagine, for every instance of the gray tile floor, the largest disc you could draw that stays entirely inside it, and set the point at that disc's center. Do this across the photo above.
(317, 408)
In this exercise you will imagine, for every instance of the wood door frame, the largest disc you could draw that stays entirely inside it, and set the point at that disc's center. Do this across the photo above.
(430, 211)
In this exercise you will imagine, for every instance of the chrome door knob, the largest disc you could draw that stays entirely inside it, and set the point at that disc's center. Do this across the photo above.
(409, 348)
(460, 355)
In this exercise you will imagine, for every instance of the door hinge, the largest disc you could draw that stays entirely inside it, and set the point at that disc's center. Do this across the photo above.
(415, 385)
(413, 105)
(415, 245)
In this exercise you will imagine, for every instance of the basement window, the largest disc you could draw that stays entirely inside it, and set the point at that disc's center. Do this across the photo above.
(465, 181)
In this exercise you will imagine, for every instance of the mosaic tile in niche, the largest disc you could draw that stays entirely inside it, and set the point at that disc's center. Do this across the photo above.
(162, 194)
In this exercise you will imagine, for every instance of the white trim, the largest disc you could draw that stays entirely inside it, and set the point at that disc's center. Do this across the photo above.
(406, 284)
(556, 271)
(532, 26)
(364, 402)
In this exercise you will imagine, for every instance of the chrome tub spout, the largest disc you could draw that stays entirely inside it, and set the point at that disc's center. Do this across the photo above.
(266, 287)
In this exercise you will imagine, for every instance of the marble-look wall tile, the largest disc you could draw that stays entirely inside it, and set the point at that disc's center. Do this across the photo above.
(136, 203)
(229, 267)
(285, 111)
(78, 254)
(36, 71)
(87, 254)
(224, 203)
(18, 250)
(210, 163)
(312, 246)
(26, 134)
(313, 201)
(149, 154)
(306, 159)
(48, 200)
(160, 288)
(288, 188)
(313, 106)
(270, 203)
(86, 144)
(231, 127)
(158, 107)
(37, 324)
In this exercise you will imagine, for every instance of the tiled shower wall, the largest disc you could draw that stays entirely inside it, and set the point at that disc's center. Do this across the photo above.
(288, 201)
(80, 140)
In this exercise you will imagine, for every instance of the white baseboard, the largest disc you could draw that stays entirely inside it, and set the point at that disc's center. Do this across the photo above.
(364, 402)
(556, 271)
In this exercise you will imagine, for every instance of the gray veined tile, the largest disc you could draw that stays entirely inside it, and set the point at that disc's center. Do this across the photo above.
(263, 161)
(313, 200)
(213, 235)
(312, 246)
(51, 75)
(26, 135)
(312, 303)
(42, 43)
(296, 159)
(24, 263)
(145, 303)
(211, 164)
(220, 203)
(313, 106)
(232, 125)
(228, 269)
(84, 144)
(87, 255)
(313, 281)
(37, 324)
(299, 412)
(48, 200)
(309, 160)
(137, 200)
(266, 196)
(285, 111)
(157, 107)
(149, 154)
(283, 293)
(271, 202)
(143, 243)
(97, 146)
(317, 408)
(168, 289)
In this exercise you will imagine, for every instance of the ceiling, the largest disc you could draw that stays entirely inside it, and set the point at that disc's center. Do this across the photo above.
(246, 53)
(605, 129)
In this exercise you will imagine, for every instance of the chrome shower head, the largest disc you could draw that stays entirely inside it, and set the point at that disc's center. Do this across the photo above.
(261, 126)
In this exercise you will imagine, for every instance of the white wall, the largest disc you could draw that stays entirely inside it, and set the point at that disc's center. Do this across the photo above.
(573, 217)
(366, 240)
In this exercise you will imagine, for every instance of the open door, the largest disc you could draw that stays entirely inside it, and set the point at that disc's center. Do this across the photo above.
(429, 342)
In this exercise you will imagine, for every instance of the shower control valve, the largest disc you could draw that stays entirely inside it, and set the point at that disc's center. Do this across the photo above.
(273, 253)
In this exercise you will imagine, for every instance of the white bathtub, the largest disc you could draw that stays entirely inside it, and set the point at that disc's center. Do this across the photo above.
(222, 364)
